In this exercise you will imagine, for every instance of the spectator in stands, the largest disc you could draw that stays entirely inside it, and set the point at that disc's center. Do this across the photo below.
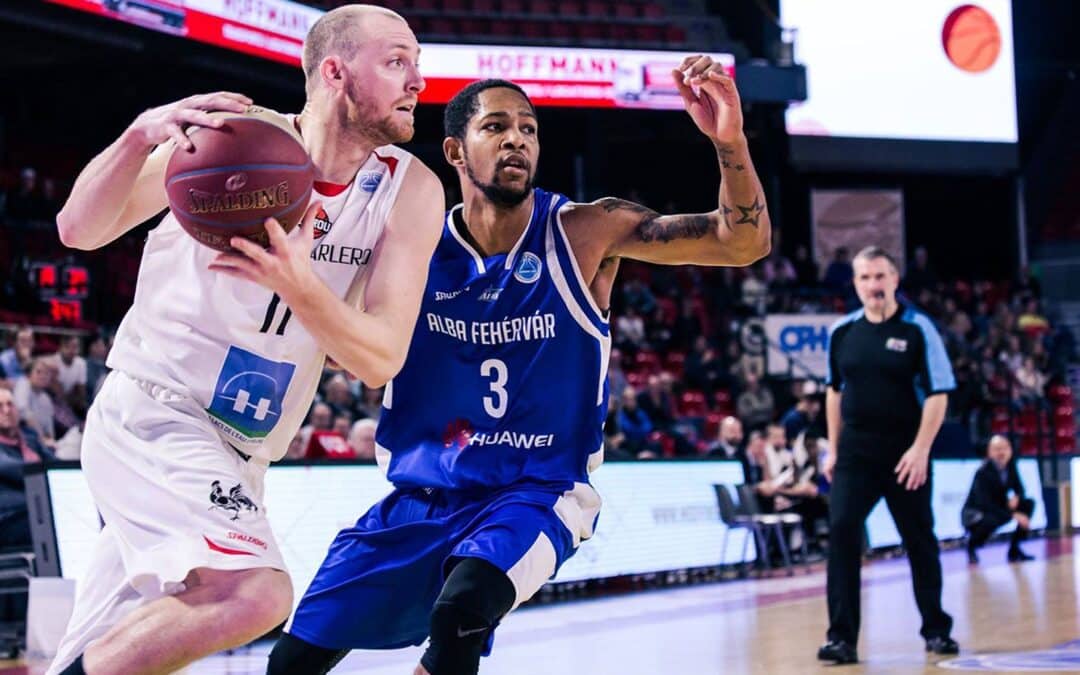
(15, 361)
(744, 364)
(839, 275)
(630, 331)
(704, 369)
(799, 489)
(638, 296)
(658, 403)
(634, 423)
(777, 450)
(755, 405)
(729, 443)
(1030, 383)
(757, 473)
(755, 292)
(920, 276)
(96, 370)
(1031, 321)
(339, 397)
(26, 203)
(51, 200)
(980, 321)
(362, 439)
(804, 413)
(616, 376)
(34, 401)
(614, 440)
(1013, 355)
(343, 424)
(958, 329)
(777, 270)
(19, 445)
(71, 372)
(996, 497)
(371, 402)
(320, 418)
(806, 271)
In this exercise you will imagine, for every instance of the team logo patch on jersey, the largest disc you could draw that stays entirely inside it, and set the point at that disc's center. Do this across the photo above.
(322, 223)
(232, 503)
(528, 268)
(896, 345)
(248, 394)
(369, 180)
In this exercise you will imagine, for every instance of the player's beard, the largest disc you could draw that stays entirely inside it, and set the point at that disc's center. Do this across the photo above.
(497, 193)
(366, 123)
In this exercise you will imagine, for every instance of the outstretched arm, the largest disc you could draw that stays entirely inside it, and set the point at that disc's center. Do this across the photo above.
(738, 232)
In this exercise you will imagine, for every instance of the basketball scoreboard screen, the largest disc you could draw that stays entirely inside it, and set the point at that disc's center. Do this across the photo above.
(655, 517)
(921, 85)
(951, 482)
(564, 76)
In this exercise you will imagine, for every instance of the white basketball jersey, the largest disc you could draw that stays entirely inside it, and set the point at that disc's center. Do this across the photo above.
(232, 345)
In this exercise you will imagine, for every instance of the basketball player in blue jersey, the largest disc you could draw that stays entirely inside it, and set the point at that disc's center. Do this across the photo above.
(490, 430)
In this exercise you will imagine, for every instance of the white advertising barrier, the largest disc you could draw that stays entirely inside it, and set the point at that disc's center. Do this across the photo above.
(564, 76)
(655, 517)
(928, 70)
(952, 481)
(802, 337)
(1074, 466)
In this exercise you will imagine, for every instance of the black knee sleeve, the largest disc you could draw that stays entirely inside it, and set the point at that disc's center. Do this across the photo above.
(293, 656)
(476, 596)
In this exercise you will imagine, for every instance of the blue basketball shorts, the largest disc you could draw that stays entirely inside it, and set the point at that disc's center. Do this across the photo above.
(380, 579)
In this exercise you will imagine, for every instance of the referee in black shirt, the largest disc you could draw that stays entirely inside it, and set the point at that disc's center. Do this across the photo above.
(888, 381)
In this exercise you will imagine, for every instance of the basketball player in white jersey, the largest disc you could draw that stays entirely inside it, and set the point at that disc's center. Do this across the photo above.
(217, 361)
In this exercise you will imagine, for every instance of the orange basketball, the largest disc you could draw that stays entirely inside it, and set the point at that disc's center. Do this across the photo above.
(971, 38)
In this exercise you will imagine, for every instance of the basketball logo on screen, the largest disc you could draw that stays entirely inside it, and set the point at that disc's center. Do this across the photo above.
(971, 38)
(248, 394)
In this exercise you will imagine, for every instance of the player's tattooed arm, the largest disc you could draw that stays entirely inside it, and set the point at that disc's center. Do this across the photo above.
(730, 235)
(652, 227)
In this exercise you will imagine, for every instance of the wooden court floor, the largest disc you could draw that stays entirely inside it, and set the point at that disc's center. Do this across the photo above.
(1009, 618)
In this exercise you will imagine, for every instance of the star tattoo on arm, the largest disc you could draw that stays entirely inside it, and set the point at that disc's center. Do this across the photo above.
(725, 215)
(725, 159)
(750, 214)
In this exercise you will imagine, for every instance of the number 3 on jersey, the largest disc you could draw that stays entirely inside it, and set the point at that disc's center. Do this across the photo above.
(495, 405)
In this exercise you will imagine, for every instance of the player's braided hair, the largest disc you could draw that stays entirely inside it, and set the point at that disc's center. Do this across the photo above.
(466, 103)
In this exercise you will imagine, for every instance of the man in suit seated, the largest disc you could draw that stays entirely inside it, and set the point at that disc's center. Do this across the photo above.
(996, 497)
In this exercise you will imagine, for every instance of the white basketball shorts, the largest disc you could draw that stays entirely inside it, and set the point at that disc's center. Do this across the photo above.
(174, 497)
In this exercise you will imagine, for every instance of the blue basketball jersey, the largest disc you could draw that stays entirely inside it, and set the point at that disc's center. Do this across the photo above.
(506, 378)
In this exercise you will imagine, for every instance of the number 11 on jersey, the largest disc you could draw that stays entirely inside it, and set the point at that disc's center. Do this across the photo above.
(495, 405)
(271, 312)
